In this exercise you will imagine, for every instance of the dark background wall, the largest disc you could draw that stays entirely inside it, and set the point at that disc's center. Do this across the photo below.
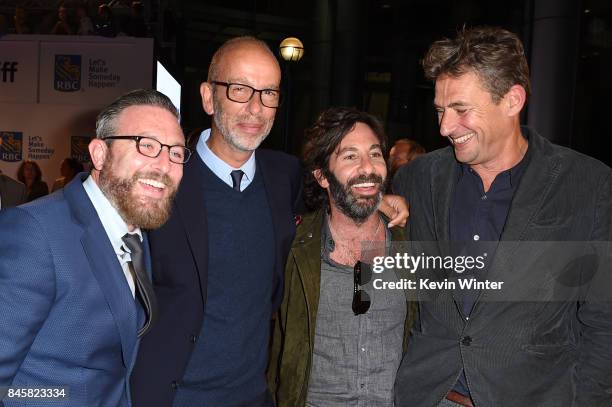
(366, 53)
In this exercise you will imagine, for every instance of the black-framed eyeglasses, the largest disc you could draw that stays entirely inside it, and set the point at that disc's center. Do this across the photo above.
(361, 299)
(150, 147)
(241, 93)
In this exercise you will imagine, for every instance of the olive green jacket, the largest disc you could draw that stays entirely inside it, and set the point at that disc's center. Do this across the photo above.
(294, 326)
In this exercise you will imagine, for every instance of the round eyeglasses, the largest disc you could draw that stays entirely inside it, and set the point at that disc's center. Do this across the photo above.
(150, 147)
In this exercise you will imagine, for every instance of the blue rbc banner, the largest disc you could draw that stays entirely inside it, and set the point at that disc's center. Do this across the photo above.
(67, 76)
(11, 146)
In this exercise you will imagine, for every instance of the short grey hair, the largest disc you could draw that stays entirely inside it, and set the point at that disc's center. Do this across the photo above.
(106, 120)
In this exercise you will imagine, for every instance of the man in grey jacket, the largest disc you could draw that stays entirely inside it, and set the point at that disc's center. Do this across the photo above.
(500, 182)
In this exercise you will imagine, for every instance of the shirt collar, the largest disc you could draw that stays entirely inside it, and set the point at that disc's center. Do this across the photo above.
(114, 225)
(512, 175)
(219, 167)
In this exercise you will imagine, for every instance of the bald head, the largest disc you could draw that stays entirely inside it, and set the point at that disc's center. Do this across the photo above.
(223, 55)
(242, 66)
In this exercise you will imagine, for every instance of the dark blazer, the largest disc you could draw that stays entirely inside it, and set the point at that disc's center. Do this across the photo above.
(180, 272)
(67, 316)
(514, 353)
(12, 192)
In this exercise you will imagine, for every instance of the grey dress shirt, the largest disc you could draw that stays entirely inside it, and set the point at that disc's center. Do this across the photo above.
(355, 358)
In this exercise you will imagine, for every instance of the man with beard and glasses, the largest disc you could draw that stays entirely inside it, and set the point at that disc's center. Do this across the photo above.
(218, 262)
(338, 342)
(76, 294)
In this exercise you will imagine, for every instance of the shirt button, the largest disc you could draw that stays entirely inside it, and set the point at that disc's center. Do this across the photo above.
(476, 237)
(363, 349)
(362, 385)
(174, 384)
(466, 341)
(193, 338)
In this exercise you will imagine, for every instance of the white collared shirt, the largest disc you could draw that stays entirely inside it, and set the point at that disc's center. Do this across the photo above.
(114, 225)
(222, 169)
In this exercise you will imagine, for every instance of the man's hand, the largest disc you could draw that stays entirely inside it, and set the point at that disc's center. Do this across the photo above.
(395, 208)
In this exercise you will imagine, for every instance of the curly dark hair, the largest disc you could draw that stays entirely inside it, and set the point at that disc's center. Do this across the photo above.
(494, 54)
(323, 138)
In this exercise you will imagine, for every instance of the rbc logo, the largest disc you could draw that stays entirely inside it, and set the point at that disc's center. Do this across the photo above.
(67, 73)
(11, 143)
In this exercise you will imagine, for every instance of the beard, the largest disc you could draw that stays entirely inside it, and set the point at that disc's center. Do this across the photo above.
(227, 124)
(142, 211)
(358, 208)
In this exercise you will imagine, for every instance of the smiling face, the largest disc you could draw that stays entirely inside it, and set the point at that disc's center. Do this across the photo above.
(482, 132)
(242, 126)
(357, 172)
(141, 188)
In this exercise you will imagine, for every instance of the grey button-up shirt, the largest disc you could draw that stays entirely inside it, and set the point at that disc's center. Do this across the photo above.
(355, 358)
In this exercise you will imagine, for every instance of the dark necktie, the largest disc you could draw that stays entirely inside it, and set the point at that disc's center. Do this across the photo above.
(144, 288)
(236, 178)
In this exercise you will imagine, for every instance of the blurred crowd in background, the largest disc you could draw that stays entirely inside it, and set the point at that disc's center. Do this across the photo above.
(88, 17)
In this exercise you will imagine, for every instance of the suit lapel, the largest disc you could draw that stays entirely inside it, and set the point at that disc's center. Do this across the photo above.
(274, 182)
(105, 268)
(277, 187)
(540, 174)
(189, 205)
(444, 174)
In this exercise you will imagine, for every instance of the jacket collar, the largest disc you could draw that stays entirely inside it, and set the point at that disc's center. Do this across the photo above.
(106, 268)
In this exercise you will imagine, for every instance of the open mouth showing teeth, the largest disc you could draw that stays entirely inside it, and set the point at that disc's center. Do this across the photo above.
(462, 139)
(152, 183)
(365, 185)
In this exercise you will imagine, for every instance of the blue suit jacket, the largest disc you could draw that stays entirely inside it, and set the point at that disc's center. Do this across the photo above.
(67, 316)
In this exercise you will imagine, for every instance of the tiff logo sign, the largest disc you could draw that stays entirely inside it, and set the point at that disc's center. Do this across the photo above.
(8, 70)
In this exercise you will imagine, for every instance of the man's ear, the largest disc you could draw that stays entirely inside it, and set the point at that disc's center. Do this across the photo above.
(206, 92)
(515, 100)
(321, 179)
(98, 151)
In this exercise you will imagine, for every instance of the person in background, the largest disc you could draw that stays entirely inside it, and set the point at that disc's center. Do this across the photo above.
(403, 151)
(20, 19)
(137, 27)
(68, 169)
(85, 25)
(105, 23)
(30, 174)
(12, 192)
(65, 24)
